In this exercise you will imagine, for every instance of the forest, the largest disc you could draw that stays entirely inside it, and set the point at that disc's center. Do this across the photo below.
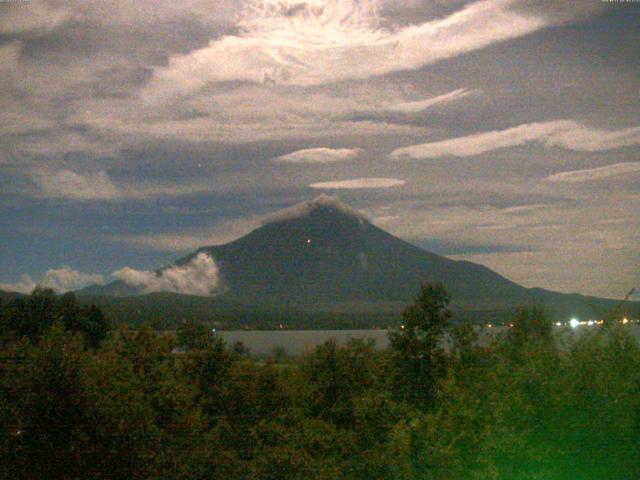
(83, 399)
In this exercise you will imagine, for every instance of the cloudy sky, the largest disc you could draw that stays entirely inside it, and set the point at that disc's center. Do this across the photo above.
(502, 132)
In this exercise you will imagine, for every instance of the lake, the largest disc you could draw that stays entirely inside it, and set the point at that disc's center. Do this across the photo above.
(295, 342)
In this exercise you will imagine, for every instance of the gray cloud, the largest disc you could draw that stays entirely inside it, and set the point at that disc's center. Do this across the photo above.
(35, 15)
(70, 185)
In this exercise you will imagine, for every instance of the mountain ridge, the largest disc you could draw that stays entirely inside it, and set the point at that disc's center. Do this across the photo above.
(323, 255)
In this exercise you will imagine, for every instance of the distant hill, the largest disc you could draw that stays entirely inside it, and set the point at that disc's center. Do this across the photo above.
(168, 310)
(6, 296)
(321, 256)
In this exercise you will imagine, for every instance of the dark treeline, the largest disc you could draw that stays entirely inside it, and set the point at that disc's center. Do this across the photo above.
(78, 401)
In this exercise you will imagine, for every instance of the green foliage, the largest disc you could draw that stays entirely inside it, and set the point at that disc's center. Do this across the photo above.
(337, 376)
(418, 354)
(530, 325)
(193, 336)
(135, 407)
(31, 315)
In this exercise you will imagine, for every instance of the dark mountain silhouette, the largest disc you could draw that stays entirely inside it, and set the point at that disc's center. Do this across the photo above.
(323, 256)
(328, 255)
(6, 296)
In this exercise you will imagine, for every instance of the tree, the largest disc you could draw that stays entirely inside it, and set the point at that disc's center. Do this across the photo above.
(531, 325)
(30, 316)
(337, 375)
(417, 346)
(42, 387)
(96, 326)
(193, 336)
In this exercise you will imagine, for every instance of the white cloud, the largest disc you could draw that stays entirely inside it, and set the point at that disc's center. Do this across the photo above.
(566, 134)
(419, 106)
(61, 280)
(69, 185)
(65, 279)
(199, 277)
(325, 41)
(305, 208)
(590, 174)
(320, 155)
(24, 285)
(359, 183)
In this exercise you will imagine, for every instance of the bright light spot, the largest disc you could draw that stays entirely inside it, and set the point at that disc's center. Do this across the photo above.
(625, 320)
(213, 330)
(308, 240)
(574, 322)
(558, 324)
(489, 325)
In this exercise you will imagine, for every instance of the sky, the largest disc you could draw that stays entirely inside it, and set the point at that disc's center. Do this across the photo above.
(502, 132)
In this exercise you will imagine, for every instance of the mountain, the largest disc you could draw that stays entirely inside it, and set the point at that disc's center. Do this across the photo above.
(329, 255)
(323, 256)
(6, 295)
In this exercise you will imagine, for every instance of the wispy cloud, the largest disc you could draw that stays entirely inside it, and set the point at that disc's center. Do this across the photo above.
(333, 41)
(74, 186)
(70, 185)
(566, 134)
(199, 277)
(61, 280)
(305, 208)
(590, 174)
(359, 183)
(320, 155)
(421, 105)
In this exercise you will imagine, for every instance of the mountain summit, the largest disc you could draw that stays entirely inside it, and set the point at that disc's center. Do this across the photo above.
(323, 255)
(325, 252)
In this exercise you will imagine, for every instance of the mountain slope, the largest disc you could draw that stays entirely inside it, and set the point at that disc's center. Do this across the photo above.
(328, 255)
(323, 256)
